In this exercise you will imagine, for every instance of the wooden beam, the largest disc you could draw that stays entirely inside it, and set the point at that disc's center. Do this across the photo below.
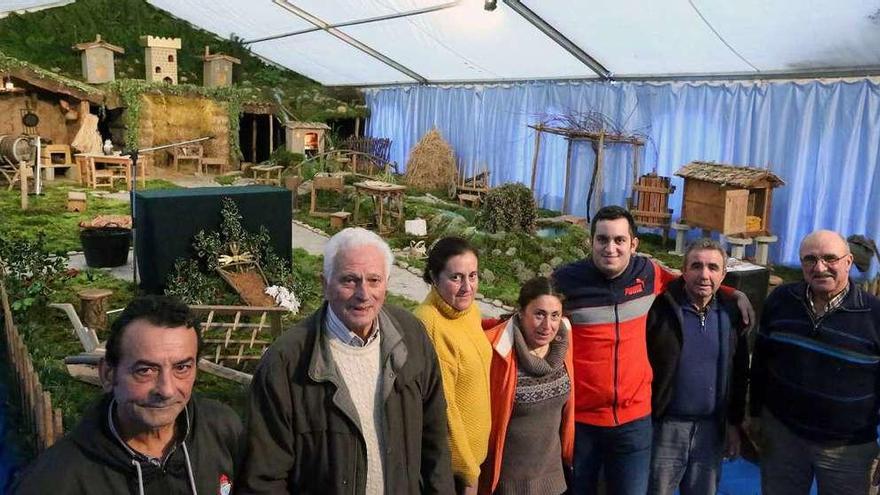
(271, 133)
(535, 158)
(567, 175)
(254, 140)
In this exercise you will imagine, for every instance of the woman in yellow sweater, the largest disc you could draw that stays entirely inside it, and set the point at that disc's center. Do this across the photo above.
(452, 320)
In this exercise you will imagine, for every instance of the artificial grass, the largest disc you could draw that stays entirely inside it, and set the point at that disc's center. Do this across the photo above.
(48, 213)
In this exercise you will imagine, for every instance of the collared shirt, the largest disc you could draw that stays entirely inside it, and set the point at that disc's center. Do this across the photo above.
(336, 329)
(833, 304)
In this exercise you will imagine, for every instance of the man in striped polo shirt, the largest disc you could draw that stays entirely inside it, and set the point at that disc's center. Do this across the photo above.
(815, 377)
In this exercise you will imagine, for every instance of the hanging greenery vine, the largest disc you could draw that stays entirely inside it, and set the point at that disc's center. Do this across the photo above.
(132, 91)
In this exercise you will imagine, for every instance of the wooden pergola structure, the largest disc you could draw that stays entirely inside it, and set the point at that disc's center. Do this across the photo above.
(598, 140)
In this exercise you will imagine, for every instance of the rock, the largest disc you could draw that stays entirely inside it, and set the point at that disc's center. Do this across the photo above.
(545, 270)
(497, 302)
(507, 308)
(510, 251)
(479, 296)
(525, 275)
(555, 261)
(488, 276)
(579, 253)
(517, 265)
(403, 264)
(496, 252)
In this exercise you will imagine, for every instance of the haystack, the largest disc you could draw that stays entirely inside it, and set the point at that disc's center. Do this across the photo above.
(431, 163)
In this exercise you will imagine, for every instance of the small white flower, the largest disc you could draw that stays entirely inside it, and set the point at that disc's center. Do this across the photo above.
(284, 298)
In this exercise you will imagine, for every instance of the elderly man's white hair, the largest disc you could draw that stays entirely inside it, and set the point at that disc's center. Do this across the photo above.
(353, 237)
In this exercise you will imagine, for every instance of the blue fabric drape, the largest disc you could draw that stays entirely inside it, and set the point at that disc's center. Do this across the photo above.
(822, 138)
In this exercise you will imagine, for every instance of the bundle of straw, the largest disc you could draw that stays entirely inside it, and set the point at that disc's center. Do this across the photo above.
(431, 163)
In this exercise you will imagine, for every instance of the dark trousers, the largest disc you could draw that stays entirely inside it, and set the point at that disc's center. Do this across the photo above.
(624, 452)
(686, 456)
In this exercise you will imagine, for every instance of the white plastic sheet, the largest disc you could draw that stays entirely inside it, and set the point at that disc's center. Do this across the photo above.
(630, 38)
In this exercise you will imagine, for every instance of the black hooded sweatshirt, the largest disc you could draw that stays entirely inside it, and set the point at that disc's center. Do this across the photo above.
(92, 459)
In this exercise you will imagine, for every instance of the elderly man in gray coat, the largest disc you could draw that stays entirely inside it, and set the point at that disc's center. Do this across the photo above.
(350, 400)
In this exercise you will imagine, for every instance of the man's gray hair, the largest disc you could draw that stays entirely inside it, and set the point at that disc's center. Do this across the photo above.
(707, 244)
(353, 237)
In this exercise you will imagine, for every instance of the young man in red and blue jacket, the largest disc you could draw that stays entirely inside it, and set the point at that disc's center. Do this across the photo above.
(607, 298)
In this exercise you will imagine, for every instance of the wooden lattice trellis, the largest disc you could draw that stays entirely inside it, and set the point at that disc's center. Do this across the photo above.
(235, 337)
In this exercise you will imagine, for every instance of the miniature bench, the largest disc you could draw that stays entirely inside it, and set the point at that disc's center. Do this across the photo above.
(268, 174)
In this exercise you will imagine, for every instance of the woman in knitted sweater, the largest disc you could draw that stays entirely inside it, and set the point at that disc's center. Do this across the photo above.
(532, 439)
(452, 321)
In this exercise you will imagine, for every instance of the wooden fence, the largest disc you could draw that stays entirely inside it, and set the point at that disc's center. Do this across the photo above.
(871, 286)
(44, 422)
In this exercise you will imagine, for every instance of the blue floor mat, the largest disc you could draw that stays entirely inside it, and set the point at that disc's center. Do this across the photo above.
(741, 477)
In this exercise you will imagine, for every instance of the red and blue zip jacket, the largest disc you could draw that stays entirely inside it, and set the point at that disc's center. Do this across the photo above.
(612, 374)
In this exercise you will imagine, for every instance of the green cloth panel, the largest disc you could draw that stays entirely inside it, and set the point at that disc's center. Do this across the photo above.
(166, 220)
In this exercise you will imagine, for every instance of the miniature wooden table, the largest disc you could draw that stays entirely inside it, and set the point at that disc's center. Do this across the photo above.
(112, 167)
(382, 193)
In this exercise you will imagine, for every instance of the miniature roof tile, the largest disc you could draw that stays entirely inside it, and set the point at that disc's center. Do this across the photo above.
(98, 43)
(728, 175)
(208, 56)
(308, 125)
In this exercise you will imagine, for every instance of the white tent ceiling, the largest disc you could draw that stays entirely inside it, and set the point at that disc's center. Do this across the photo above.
(456, 41)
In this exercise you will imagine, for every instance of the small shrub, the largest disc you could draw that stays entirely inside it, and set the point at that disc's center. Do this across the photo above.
(509, 208)
(286, 158)
(31, 273)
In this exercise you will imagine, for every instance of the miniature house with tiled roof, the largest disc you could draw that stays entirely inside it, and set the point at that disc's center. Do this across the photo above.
(730, 199)
(217, 70)
(97, 60)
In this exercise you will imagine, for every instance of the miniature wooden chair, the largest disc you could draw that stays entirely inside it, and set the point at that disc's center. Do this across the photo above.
(190, 152)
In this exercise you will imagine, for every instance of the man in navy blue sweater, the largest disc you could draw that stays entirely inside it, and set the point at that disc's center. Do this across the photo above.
(700, 357)
(815, 377)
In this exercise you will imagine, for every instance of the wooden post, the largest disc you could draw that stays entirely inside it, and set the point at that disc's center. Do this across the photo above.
(271, 134)
(22, 178)
(598, 148)
(58, 421)
(254, 140)
(567, 175)
(535, 158)
(357, 126)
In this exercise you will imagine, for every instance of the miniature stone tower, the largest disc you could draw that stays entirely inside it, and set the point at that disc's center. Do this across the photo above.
(160, 58)
(217, 69)
(97, 60)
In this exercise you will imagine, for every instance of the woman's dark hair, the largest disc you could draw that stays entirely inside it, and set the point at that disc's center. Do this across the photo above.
(162, 311)
(535, 288)
(442, 250)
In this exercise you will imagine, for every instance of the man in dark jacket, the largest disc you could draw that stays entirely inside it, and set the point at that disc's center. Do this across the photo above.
(350, 400)
(699, 353)
(147, 435)
(815, 377)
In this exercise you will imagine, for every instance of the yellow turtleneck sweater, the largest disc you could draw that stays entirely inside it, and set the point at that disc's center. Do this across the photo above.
(465, 355)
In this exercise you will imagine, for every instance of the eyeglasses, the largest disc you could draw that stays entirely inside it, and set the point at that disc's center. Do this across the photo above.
(810, 260)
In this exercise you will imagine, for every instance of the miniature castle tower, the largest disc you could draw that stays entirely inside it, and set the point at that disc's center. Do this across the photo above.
(160, 58)
(217, 69)
(97, 60)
